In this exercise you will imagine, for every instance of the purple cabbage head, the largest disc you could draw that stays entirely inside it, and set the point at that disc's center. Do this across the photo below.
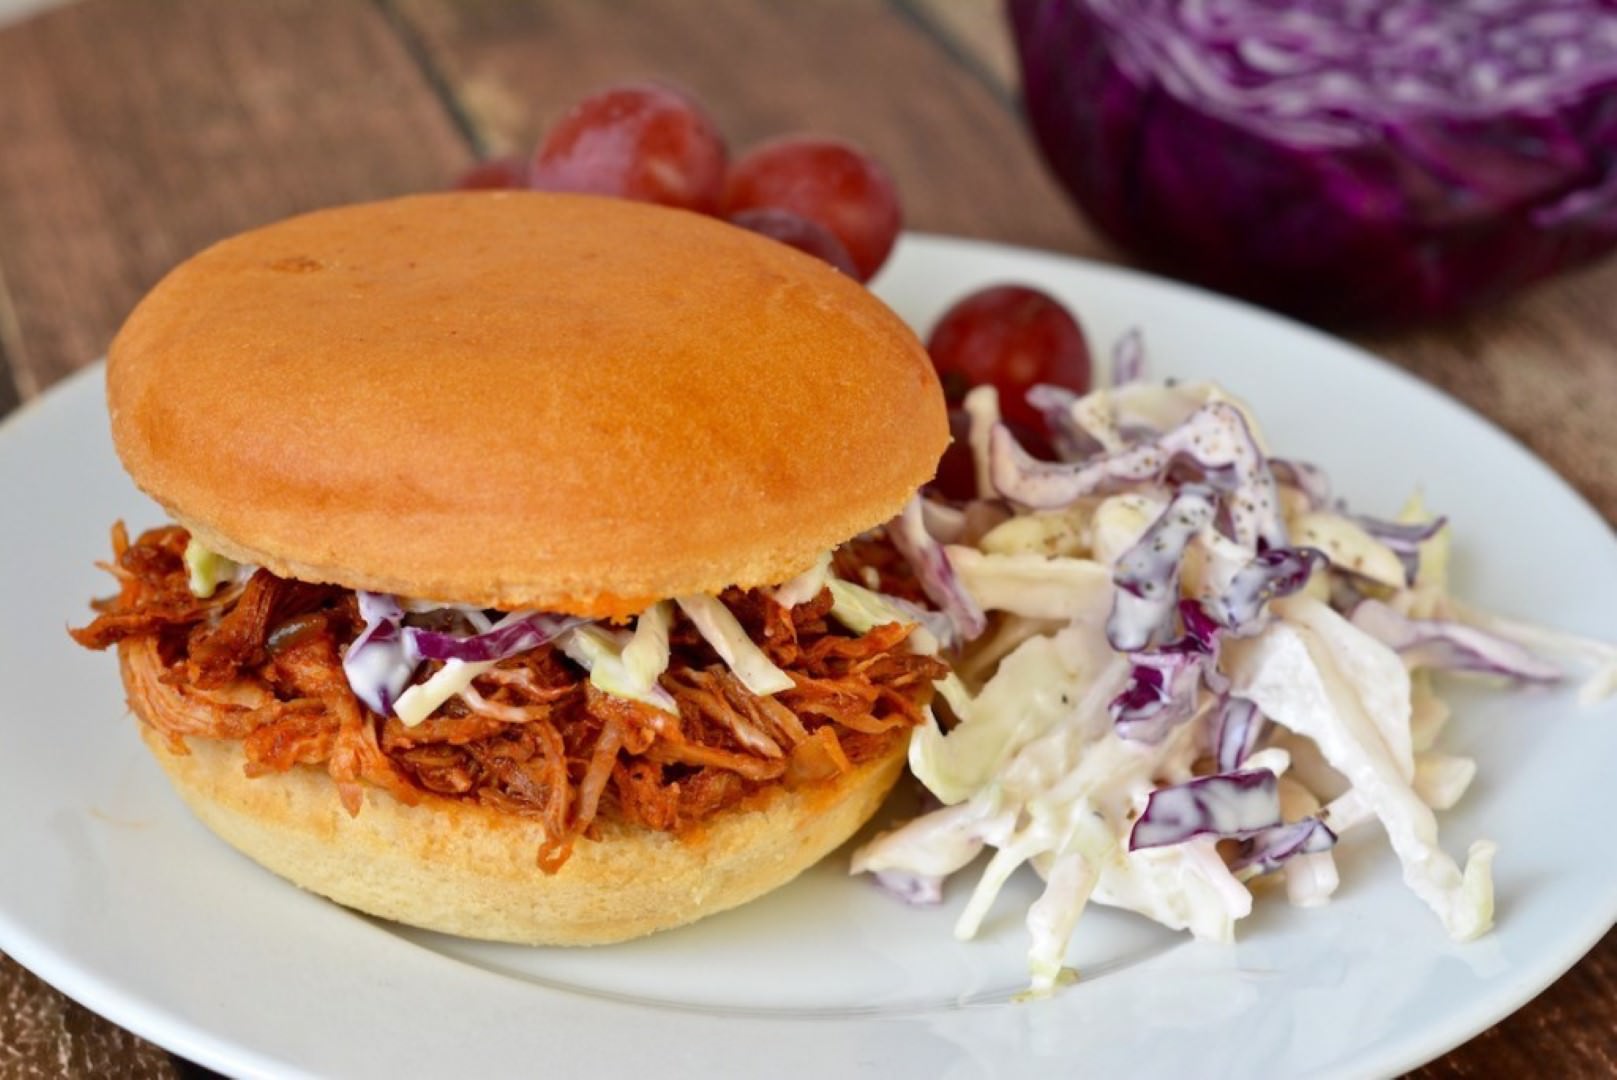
(1346, 160)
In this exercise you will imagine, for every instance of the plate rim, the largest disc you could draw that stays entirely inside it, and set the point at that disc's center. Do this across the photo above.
(175, 1033)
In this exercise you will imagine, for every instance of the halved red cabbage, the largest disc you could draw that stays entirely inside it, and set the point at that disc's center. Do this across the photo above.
(1236, 804)
(1451, 646)
(1348, 160)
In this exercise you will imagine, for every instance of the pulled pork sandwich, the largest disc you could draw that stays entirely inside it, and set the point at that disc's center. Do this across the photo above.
(527, 580)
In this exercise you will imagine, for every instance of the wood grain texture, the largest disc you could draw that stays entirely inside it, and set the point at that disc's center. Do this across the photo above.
(138, 131)
(973, 30)
(1570, 1030)
(853, 68)
(44, 1035)
(132, 133)
(1543, 366)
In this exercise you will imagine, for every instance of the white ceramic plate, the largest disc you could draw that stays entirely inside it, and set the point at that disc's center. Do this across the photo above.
(110, 891)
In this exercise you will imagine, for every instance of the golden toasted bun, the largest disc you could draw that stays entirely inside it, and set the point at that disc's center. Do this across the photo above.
(464, 869)
(521, 400)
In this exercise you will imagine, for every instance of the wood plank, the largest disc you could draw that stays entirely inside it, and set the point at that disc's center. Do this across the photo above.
(516, 67)
(135, 133)
(1543, 365)
(1568, 1030)
(974, 30)
(43, 1034)
(138, 131)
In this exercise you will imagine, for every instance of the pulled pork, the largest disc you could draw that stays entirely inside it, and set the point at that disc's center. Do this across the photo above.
(261, 662)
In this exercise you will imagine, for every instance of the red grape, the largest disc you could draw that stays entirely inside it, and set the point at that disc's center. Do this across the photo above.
(797, 232)
(494, 174)
(957, 470)
(638, 141)
(1013, 337)
(827, 181)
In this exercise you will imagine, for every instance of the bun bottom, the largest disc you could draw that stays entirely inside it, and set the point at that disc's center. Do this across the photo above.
(465, 869)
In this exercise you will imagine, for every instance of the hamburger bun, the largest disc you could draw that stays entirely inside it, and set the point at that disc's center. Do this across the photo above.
(512, 401)
(463, 869)
(521, 400)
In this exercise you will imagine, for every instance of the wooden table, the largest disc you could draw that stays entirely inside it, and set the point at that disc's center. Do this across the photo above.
(133, 132)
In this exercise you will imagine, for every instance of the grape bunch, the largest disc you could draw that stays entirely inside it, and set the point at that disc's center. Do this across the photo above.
(650, 142)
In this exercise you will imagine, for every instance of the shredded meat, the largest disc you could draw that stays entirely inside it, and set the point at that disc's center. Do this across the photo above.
(261, 662)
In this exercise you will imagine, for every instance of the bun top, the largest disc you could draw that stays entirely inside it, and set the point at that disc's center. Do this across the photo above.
(521, 400)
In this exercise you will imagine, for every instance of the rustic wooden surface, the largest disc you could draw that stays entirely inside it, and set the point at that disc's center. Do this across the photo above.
(133, 132)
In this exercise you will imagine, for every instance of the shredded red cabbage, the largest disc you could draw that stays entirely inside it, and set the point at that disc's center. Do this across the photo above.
(1054, 403)
(1269, 849)
(1045, 485)
(1365, 160)
(516, 633)
(917, 890)
(1159, 695)
(932, 568)
(1147, 575)
(1451, 646)
(1311, 480)
(1236, 727)
(378, 665)
(1403, 540)
(1215, 439)
(1275, 572)
(1164, 684)
(961, 522)
(1398, 535)
(1236, 804)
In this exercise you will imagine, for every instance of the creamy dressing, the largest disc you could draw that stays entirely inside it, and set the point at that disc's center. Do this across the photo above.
(1146, 577)
(1293, 725)
(982, 413)
(1289, 672)
(206, 570)
(1072, 590)
(805, 586)
(729, 639)
(1348, 546)
(600, 652)
(423, 699)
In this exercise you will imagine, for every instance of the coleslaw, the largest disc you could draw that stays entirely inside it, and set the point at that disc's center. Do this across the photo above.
(1185, 665)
